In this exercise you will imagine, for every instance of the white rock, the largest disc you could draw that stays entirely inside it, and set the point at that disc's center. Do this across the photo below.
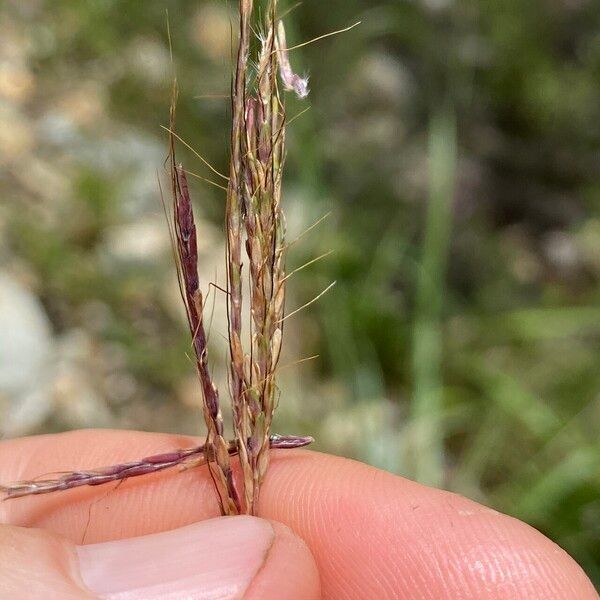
(26, 359)
(146, 240)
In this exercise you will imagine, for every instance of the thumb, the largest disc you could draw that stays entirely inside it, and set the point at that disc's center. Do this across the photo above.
(38, 564)
(224, 558)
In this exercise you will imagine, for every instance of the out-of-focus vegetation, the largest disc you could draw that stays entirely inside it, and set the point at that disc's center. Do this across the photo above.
(455, 144)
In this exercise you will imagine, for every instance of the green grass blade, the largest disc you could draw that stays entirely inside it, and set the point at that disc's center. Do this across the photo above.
(427, 402)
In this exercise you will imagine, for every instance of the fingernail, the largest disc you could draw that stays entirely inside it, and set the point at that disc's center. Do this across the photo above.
(212, 559)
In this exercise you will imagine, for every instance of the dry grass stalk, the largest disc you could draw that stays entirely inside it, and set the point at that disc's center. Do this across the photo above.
(254, 216)
(187, 458)
(187, 272)
(233, 224)
(254, 221)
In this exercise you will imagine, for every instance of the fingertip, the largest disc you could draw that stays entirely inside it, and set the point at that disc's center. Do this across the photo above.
(227, 558)
(290, 570)
(502, 558)
(376, 535)
(38, 564)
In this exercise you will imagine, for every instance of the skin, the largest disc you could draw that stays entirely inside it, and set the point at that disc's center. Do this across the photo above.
(343, 530)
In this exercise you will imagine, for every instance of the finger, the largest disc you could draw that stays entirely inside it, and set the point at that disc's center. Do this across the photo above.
(372, 534)
(225, 558)
(221, 558)
(38, 564)
(290, 570)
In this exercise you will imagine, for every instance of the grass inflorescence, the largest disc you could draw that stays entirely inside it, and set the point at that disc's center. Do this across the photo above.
(255, 227)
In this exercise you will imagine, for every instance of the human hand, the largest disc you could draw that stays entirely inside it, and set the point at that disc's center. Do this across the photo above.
(367, 534)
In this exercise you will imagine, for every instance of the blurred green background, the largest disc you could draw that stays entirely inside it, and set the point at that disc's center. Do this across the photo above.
(456, 145)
